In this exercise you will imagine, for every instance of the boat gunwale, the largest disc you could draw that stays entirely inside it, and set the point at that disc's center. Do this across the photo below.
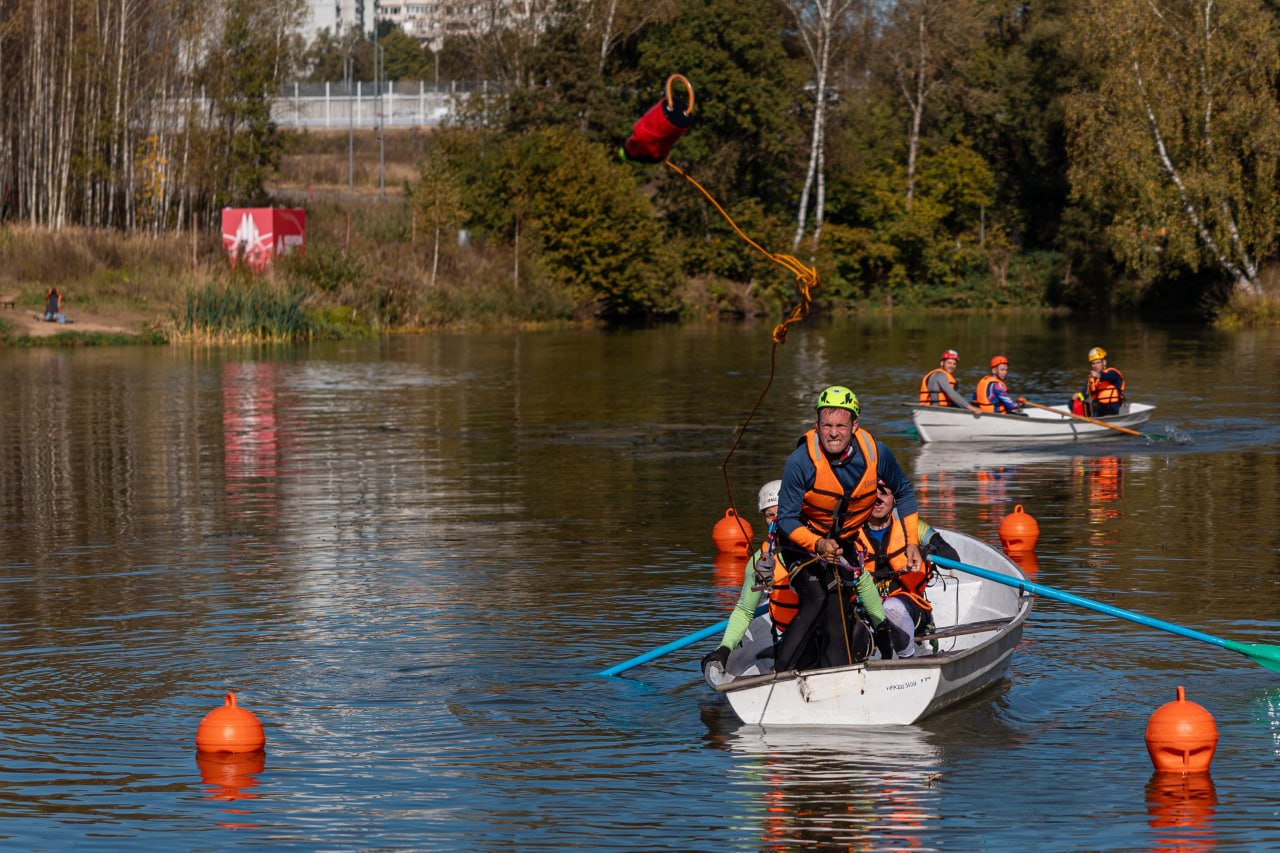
(938, 661)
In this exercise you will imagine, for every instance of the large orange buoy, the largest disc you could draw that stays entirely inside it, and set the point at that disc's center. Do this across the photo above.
(1181, 736)
(732, 534)
(230, 729)
(1019, 531)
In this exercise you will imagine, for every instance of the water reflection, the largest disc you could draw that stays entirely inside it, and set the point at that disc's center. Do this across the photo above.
(251, 441)
(727, 571)
(229, 776)
(1180, 808)
(839, 790)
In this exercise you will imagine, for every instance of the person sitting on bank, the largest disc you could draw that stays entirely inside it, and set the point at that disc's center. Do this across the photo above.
(828, 489)
(1104, 392)
(906, 608)
(938, 387)
(767, 569)
(53, 306)
(992, 394)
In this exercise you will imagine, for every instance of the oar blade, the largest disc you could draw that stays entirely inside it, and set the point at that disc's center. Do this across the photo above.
(1260, 653)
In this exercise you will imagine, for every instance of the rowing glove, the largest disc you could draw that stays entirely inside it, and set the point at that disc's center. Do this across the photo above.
(720, 656)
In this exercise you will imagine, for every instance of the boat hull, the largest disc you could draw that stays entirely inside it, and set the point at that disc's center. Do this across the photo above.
(951, 424)
(899, 692)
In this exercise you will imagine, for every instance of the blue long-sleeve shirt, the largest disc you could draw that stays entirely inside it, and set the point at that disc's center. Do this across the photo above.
(799, 473)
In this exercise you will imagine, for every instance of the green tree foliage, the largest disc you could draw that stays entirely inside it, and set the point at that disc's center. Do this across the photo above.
(240, 80)
(403, 58)
(567, 203)
(747, 141)
(436, 203)
(1177, 147)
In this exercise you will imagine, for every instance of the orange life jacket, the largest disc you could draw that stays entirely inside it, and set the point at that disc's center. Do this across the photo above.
(1105, 393)
(783, 601)
(828, 509)
(926, 398)
(886, 561)
(982, 394)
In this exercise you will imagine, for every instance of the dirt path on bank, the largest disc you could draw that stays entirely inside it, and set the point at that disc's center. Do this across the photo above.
(25, 321)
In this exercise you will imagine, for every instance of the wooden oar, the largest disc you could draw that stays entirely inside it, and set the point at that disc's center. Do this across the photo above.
(687, 640)
(1024, 401)
(1260, 653)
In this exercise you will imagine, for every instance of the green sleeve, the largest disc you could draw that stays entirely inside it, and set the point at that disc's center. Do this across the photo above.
(869, 598)
(745, 610)
(926, 531)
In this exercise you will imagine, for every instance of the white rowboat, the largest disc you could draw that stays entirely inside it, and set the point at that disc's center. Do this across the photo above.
(979, 623)
(950, 423)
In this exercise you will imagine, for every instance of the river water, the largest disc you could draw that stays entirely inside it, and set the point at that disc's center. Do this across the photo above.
(409, 557)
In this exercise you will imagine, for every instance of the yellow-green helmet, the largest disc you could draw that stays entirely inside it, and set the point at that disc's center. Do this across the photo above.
(838, 397)
(1097, 353)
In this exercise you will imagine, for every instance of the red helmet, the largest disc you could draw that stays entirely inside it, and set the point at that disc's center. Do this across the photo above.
(949, 353)
(998, 360)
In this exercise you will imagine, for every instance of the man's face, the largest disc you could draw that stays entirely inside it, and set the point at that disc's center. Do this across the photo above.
(1001, 371)
(835, 430)
(770, 514)
(883, 505)
(950, 365)
(1097, 364)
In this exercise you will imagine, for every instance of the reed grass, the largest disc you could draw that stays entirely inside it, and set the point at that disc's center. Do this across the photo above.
(244, 309)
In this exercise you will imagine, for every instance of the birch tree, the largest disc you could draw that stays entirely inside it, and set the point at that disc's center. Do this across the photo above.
(1179, 141)
(924, 44)
(822, 26)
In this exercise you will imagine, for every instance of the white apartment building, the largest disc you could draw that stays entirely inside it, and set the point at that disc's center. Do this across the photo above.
(431, 21)
(338, 16)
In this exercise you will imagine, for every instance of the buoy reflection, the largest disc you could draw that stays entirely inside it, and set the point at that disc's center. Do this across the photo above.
(231, 775)
(1180, 806)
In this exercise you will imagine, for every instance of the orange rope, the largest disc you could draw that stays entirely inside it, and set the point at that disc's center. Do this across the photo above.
(806, 281)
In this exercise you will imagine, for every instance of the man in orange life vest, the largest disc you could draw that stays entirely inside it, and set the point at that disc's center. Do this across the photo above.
(938, 387)
(828, 490)
(992, 395)
(768, 569)
(1105, 389)
(907, 610)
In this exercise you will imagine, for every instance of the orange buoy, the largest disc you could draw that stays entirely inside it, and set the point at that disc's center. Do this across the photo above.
(1181, 736)
(230, 729)
(732, 534)
(1019, 531)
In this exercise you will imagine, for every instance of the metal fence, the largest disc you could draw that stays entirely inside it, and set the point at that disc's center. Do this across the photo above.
(366, 105)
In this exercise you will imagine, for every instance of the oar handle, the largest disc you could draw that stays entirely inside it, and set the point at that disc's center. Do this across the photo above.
(1070, 598)
(688, 640)
(1024, 401)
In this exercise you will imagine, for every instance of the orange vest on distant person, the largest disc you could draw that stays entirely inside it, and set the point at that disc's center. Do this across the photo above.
(982, 394)
(926, 396)
(1105, 393)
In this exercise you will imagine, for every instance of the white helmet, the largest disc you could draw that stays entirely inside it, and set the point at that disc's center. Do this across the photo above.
(769, 494)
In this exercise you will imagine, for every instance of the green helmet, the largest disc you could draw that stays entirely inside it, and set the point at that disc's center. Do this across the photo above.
(838, 397)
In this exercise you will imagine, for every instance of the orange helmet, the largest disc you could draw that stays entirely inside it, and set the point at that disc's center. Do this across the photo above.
(998, 360)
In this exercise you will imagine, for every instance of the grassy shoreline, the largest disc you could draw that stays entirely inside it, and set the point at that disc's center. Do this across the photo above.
(370, 269)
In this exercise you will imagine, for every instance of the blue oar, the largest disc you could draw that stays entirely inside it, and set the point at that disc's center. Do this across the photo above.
(708, 631)
(1260, 653)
